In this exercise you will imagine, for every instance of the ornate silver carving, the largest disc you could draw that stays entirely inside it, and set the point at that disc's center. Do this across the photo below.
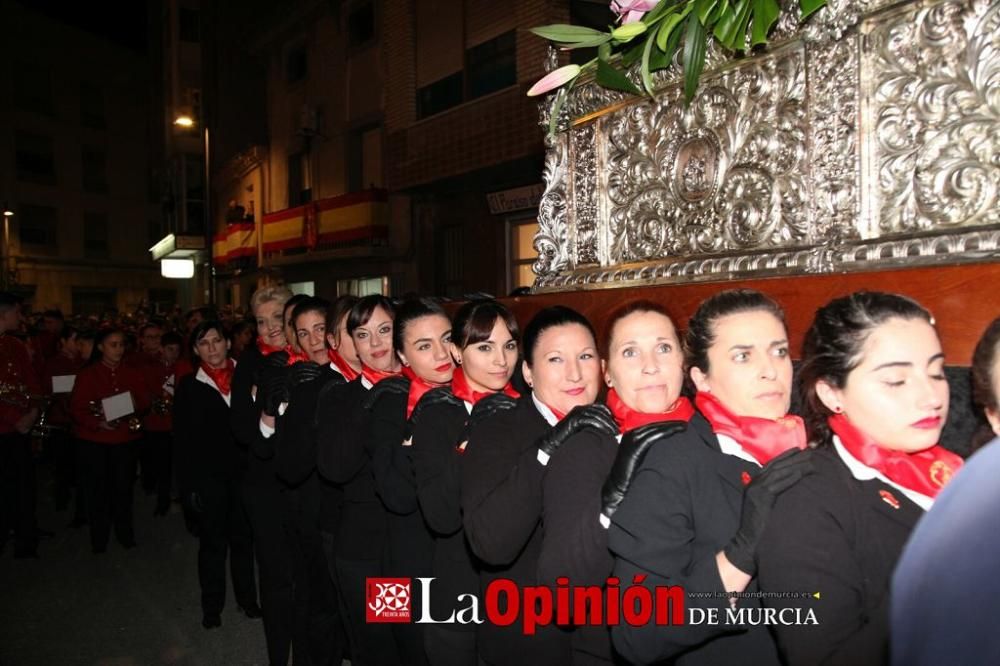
(551, 240)
(839, 148)
(934, 101)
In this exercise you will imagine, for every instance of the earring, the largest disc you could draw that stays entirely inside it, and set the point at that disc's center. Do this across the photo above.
(838, 409)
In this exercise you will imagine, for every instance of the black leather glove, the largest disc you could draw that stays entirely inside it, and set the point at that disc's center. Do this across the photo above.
(582, 417)
(272, 363)
(194, 501)
(276, 391)
(631, 452)
(388, 386)
(302, 372)
(777, 476)
(437, 396)
(490, 405)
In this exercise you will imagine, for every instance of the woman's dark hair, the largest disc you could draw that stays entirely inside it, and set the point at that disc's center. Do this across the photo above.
(984, 358)
(242, 325)
(475, 320)
(320, 306)
(701, 327)
(342, 306)
(833, 346)
(202, 329)
(290, 305)
(622, 311)
(363, 309)
(411, 310)
(550, 317)
(68, 333)
(171, 338)
(100, 337)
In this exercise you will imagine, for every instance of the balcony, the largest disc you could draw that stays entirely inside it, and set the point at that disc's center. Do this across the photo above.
(357, 218)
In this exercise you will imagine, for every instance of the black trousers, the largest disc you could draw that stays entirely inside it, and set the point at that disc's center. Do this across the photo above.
(272, 544)
(450, 647)
(155, 458)
(17, 492)
(107, 472)
(224, 527)
(372, 644)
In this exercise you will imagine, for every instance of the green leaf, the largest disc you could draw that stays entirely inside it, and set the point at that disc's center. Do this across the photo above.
(765, 13)
(647, 78)
(809, 6)
(609, 77)
(587, 43)
(560, 32)
(632, 55)
(629, 31)
(703, 8)
(557, 105)
(694, 55)
(727, 21)
(733, 34)
(604, 52)
(667, 28)
(658, 12)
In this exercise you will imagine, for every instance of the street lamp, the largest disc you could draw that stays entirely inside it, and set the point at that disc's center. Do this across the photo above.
(7, 214)
(186, 122)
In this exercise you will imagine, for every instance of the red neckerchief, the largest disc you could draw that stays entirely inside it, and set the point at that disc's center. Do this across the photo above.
(375, 376)
(555, 412)
(342, 366)
(223, 377)
(762, 438)
(418, 386)
(630, 419)
(461, 389)
(925, 472)
(266, 349)
(295, 355)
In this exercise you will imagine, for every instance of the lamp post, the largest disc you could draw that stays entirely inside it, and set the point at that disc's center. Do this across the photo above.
(187, 121)
(7, 214)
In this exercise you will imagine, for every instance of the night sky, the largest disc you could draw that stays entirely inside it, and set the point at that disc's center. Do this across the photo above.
(123, 22)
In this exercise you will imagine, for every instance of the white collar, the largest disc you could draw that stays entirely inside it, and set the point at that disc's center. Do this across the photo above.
(543, 409)
(863, 472)
(366, 383)
(202, 376)
(731, 447)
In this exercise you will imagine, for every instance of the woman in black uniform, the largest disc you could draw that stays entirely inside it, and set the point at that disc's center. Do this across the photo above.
(680, 522)
(503, 467)
(876, 399)
(644, 368)
(484, 345)
(421, 335)
(210, 469)
(342, 460)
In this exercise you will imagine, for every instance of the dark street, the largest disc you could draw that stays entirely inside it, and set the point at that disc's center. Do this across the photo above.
(122, 608)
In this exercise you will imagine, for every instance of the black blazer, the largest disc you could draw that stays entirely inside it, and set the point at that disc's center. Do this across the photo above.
(244, 417)
(436, 434)
(837, 536)
(576, 544)
(295, 430)
(342, 424)
(502, 511)
(206, 450)
(409, 546)
(682, 508)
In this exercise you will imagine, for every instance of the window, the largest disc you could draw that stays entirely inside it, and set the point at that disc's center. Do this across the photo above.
(307, 288)
(299, 179)
(361, 25)
(92, 106)
(492, 65)
(522, 253)
(188, 25)
(95, 235)
(33, 88)
(296, 64)
(37, 227)
(440, 95)
(363, 286)
(88, 301)
(452, 255)
(365, 159)
(95, 172)
(162, 300)
(34, 160)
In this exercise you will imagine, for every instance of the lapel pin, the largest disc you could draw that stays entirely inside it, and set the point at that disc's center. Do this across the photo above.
(745, 478)
(889, 498)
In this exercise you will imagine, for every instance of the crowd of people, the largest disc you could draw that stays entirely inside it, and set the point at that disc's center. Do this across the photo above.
(324, 446)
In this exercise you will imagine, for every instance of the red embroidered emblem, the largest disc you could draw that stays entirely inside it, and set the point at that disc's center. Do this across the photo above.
(889, 498)
(745, 478)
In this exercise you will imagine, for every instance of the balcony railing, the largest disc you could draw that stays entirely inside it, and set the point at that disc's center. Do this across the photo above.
(349, 219)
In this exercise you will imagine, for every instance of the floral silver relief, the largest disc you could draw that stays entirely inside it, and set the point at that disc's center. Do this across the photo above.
(585, 196)
(551, 241)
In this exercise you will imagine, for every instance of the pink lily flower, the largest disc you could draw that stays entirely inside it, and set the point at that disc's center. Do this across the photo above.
(630, 11)
(554, 79)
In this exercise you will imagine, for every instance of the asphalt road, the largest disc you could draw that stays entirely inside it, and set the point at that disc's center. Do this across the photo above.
(122, 608)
